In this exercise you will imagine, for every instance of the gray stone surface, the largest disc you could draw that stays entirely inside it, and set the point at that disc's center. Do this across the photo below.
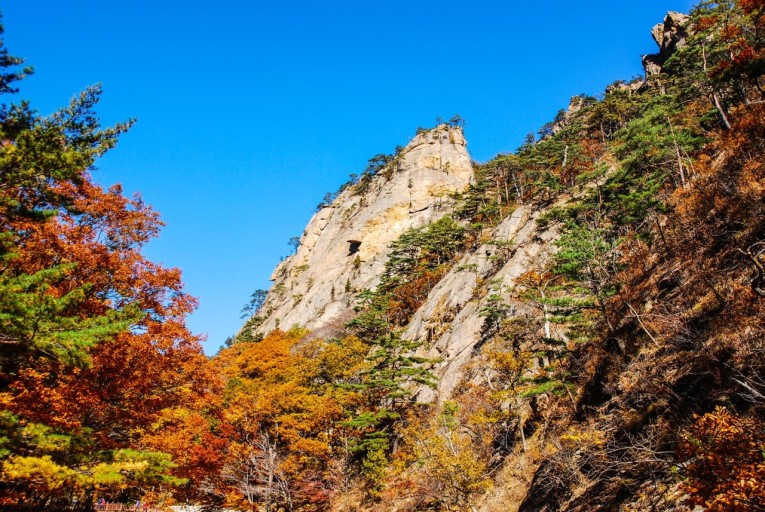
(670, 35)
(316, 287)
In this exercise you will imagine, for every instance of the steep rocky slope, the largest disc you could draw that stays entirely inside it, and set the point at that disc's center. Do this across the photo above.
(451, 322)
(584, 333)
(345, 245)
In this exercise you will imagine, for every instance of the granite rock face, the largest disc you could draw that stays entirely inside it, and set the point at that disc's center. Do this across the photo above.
(345, 245)
(450, 323)
(670, 35)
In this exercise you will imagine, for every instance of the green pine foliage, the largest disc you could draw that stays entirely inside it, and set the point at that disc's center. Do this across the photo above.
(39, 156)
(34, 320)
(421, 250)
(393, 368)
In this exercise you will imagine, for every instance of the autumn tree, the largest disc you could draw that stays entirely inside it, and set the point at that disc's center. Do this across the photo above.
(450, 458)
(93, 337)
(285, 412)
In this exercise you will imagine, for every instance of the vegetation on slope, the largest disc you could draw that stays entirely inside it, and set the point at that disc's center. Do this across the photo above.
(638, 357)
(630, 379)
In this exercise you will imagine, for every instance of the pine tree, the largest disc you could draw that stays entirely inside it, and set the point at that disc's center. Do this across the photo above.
(94, 344)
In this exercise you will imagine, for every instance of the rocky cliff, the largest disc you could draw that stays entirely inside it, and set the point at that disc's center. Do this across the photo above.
(670, 35)
(452, 322)
(597, 312)
(345, 245)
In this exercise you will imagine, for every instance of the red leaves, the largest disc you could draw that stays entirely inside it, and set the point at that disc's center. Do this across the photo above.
(750, 6)
(406, 298)
(725, 463)
(130, 382)
(705, 23)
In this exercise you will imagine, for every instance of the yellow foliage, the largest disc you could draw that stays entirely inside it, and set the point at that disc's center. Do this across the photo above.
(285, 409)
(42, 472)
(449, 462)
(577, 436)
(43, 438)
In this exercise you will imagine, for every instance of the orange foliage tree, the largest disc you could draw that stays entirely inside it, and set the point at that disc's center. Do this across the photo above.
(94, 351)
(284, 412)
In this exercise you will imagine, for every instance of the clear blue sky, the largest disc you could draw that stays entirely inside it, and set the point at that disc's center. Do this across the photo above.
(249, 111)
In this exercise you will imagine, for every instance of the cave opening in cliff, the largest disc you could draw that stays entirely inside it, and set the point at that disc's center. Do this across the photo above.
(353, 247)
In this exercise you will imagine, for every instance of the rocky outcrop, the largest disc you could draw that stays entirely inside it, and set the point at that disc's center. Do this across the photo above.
(669, 35)
(573, 393)
(345, 245)
(564, 117)
(628, 87)
(451, 322)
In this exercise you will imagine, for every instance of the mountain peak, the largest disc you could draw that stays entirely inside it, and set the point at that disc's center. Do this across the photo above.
(345, 245)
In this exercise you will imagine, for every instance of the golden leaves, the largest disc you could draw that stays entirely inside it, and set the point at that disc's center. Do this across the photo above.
(724, 460)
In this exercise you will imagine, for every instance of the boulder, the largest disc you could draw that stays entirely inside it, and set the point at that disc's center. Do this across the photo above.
(669, 36)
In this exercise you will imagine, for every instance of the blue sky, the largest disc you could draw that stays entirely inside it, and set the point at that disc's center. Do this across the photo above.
(249, 112)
